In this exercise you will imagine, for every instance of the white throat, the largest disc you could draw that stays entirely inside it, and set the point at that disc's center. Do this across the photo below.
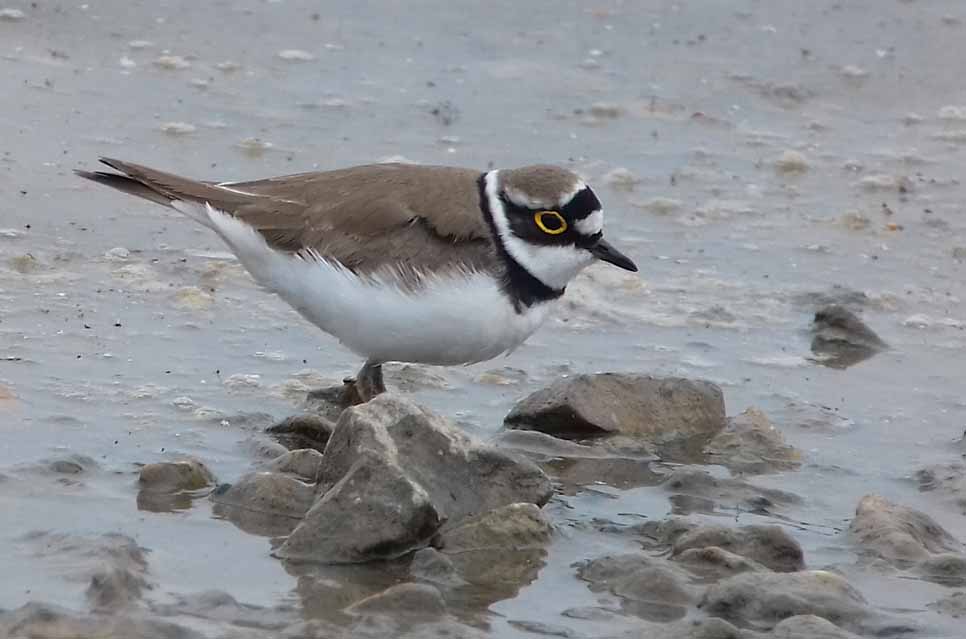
(555, 266)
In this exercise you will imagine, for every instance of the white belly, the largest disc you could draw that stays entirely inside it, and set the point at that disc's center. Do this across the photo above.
(460, 318)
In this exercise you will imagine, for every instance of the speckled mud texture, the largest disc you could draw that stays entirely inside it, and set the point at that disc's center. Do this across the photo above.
(788, 176)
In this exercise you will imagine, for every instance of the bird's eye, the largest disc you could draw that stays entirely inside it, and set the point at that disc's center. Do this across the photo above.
(550, 222)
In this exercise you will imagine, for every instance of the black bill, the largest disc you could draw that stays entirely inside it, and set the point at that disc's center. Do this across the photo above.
(603, 251)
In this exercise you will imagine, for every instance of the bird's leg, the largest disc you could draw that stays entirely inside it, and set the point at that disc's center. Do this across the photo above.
(366, 385)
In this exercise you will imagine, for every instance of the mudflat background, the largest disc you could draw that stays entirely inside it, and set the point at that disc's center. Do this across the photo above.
(757, 160)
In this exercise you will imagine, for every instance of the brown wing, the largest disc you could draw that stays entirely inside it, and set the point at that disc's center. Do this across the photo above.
(414, 218)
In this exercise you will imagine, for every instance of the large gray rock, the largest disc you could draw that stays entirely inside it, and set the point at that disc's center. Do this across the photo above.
(898, 534)
(763, 599)
(659, 411)
(752, 445)
(770, 546)
(500, 550)
(393, 473)
(515, 526)
(374, 512)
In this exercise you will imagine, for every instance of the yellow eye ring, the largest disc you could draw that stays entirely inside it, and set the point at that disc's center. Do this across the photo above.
(557, 222)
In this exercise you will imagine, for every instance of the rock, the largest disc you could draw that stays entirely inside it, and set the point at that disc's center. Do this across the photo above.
(658, 411)
(540, 628)
(809, 627)
(429, 564)
(953, 605)
(710, 628)
(715, 563)
(623, 473)
(515, 526)
(178, 128)
(264, 503)
(329, 402)
(72, 465)
(750, 444)
(500, 550)
(948, 569)
(840, 339)
(303, 431)
(35, 619)
(411, 601)
(176, 476)
(11, 15)
(374, 512)
(770, 546)
(948, 480)
(652, 588)
(398, 472)
(295, 55)
(606, 110)
(763, 599)
(660, 205)
(303, 463)
(219, 606)
(115, 588)
(791, 162)
(697, 490)
(898, 534)
(621, 179)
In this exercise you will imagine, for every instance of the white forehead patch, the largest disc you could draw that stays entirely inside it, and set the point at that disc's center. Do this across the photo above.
(569, 195)
(520, 198)
(592, 224)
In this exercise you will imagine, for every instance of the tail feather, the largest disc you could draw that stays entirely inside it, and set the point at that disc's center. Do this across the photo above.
(127, 185)
(164, 188)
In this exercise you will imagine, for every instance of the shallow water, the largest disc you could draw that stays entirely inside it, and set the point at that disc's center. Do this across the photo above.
(128, 335)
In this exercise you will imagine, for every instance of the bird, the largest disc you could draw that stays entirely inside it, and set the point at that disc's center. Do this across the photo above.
(400, 262)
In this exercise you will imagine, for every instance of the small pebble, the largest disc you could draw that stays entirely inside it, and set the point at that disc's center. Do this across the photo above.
(621, 179)
(11, 15)
(117, 254)
(791, 162)
(606, 110)
(295, 55)
(127, 63)
(178, 128)
(254, 147)
(852, 72)
(172, 62)
(950, 112)
(660, 205)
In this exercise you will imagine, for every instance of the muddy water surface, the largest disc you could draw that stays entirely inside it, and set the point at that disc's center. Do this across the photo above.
(757, 159)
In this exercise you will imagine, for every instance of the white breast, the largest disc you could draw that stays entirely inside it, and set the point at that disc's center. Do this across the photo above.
(460, 318)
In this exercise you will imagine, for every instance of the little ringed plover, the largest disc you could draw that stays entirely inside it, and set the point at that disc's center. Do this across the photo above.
(406, 263)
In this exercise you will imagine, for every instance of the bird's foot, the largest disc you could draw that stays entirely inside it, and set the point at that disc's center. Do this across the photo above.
(364, 386)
